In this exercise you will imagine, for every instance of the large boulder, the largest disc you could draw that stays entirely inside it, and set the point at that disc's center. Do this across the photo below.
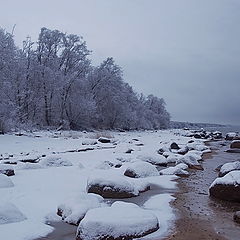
(5, 182)
(141, 169)
(235, 144)
(227, 187)
(74, 209)
(120, 221)
(9, 213)
(231, 136)
(113, 186)
(228, 167)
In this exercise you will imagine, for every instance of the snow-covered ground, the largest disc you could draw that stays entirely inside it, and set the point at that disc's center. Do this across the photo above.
(62, 169)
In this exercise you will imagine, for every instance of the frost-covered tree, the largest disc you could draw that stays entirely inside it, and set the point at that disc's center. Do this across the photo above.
(52, 83)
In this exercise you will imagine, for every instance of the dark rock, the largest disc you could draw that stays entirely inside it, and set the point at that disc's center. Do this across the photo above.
(160, 151)
(174, 146)
(197, 136)
(129, 151)
(217, 169)
(135, 139)
(9, 172)
(233, 151)
(191, 141)
(104, 140)
(139, 144)
(235, 144)
(118, 165)
(236, 217)
(109, 191)
(227, 192)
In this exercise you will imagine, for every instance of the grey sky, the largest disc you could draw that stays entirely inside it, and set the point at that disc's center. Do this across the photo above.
(186, 51)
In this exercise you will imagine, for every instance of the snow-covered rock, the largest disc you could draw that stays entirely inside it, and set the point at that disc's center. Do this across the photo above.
(7, 170)
(197, 146)
(141, 169)
(191, 159)
(179, 170)
(235, 144)
(31, 158)
(89, 142)
(183, 150)
(54, 161)
(104, 140)
(231, 136)
(110, 185)
(120, 221)
(9, 213)
(5, 181)
(227, 187)
(74, 209)
(153, 159)
(228, 167)
(28, 166)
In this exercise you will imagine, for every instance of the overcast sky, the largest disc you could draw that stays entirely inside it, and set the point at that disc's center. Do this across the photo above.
(186, 51)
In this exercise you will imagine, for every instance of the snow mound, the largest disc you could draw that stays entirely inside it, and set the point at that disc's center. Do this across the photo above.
(153, 159)
(54, 161)
(120, 221)
(73, 210)
(5, 182)
(141, 169)
(179, 170)
(9, 213)
(228, 167)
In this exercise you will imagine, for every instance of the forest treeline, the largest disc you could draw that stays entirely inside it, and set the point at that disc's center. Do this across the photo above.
(52, 83)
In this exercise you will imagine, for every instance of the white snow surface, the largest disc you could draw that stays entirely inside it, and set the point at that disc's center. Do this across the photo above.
(121, 219)
(9, 213)
(231, 178)
(38, 192)
(5, 181)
